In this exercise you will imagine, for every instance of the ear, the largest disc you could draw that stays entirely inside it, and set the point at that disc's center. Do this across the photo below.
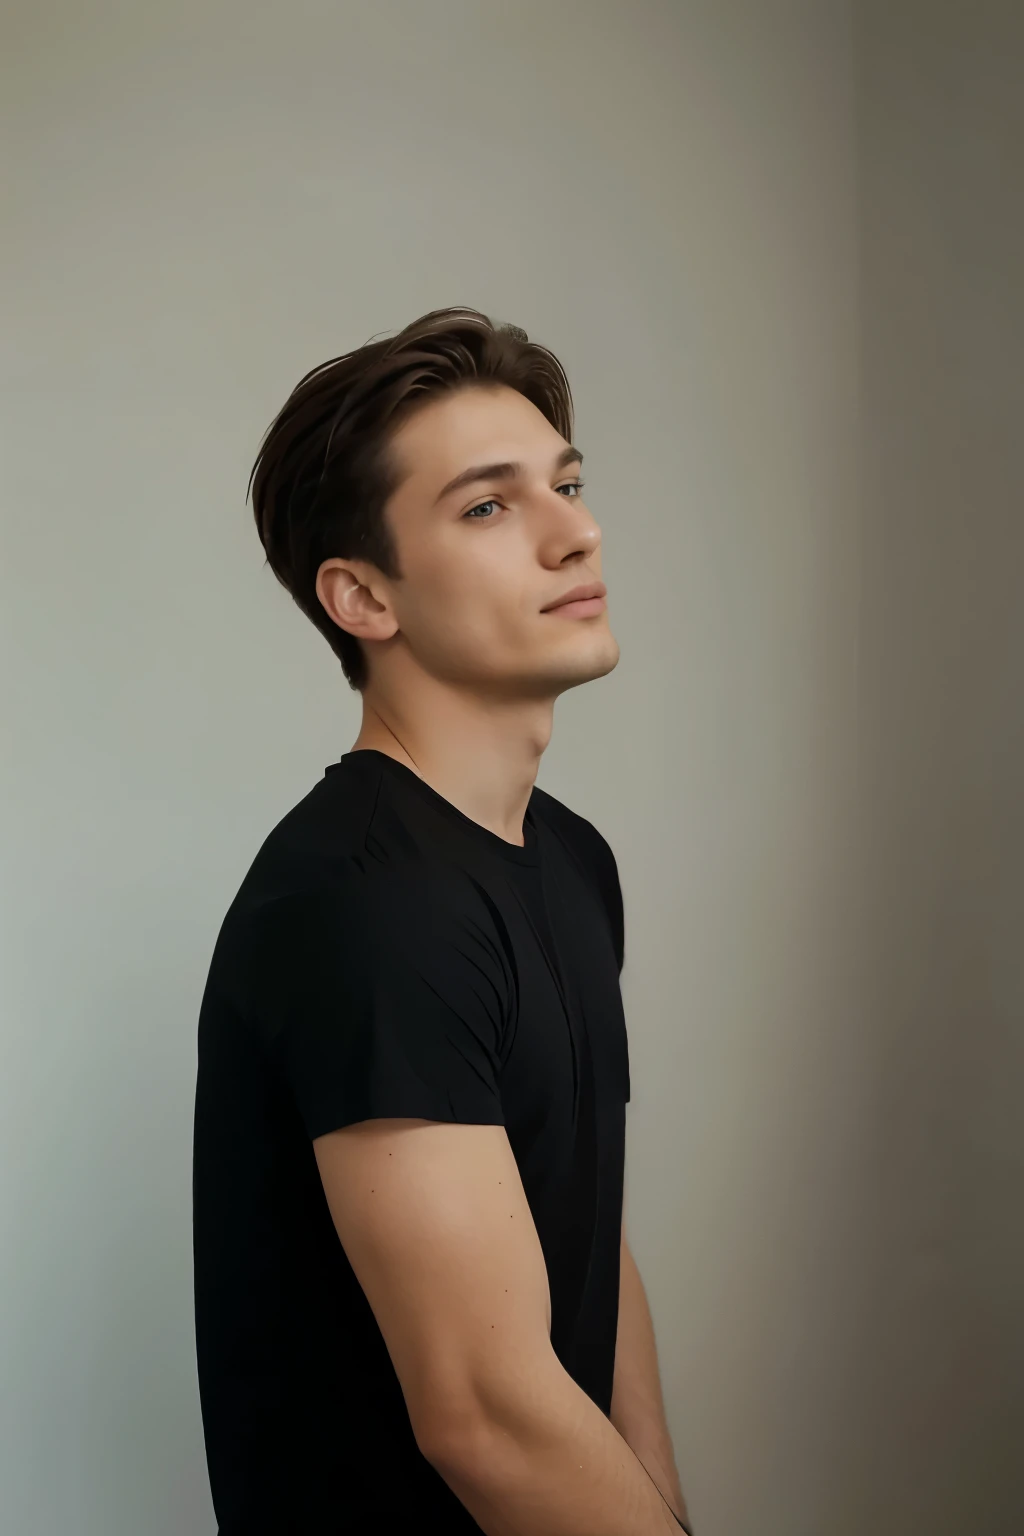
(355, 595)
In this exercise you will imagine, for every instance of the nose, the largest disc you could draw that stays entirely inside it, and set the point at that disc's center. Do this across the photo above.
(569, 531)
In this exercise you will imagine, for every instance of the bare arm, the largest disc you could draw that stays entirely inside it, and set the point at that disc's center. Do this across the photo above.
(638, 1409)
(437, 1228)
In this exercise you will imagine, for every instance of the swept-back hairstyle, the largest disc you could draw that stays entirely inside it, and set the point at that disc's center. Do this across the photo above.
(323, 475)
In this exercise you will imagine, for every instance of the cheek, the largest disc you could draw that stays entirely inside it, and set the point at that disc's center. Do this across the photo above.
(469, 593)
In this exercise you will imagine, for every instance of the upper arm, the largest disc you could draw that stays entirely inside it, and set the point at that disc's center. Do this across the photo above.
(435, 1223)
(383, 999)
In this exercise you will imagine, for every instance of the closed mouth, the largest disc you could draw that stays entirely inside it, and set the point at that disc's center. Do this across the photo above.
(593, 589)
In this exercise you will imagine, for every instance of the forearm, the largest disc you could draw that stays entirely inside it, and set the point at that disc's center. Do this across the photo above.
(549, 1463)
(638, 1411)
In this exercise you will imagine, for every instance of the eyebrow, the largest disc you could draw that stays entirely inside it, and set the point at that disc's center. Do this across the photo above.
(506, 471)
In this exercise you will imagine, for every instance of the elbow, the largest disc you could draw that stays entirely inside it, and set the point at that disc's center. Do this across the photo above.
(458, 1445)
(475, 1429)
(477, 1435)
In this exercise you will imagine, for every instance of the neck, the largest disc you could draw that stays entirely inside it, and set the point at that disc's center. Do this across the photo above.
(481, 754)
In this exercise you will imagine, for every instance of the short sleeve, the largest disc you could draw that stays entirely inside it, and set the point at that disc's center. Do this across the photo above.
(385, 994)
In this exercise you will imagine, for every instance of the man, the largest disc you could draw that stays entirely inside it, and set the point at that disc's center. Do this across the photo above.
(415, 1306)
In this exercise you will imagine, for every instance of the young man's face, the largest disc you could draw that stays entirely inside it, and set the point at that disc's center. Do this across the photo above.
(483, 561)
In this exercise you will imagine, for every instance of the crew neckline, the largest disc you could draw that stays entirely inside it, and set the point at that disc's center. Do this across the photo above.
(526, 853)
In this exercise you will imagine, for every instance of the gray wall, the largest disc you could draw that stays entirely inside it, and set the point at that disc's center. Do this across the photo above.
(941, 1316)
(208, 200)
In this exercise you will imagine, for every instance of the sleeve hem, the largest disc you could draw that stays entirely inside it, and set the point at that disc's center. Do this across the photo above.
(324, 1119)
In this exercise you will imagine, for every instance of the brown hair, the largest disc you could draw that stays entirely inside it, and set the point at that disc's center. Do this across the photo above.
(323, 474)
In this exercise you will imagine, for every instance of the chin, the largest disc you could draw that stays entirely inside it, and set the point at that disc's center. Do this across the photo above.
(542, 675)
(589, 663)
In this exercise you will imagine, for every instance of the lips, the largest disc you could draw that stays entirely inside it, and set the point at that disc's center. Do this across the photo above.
(593, 589)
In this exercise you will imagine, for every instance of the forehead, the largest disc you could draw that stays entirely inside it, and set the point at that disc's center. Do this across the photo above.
(475, 424)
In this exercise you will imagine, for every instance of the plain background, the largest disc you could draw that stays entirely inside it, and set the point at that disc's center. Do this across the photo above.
(779, 248)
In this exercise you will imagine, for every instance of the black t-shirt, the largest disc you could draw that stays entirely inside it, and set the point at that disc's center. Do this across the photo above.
(388, 956)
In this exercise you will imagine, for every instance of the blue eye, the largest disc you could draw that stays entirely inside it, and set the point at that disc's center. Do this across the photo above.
(480, 514)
